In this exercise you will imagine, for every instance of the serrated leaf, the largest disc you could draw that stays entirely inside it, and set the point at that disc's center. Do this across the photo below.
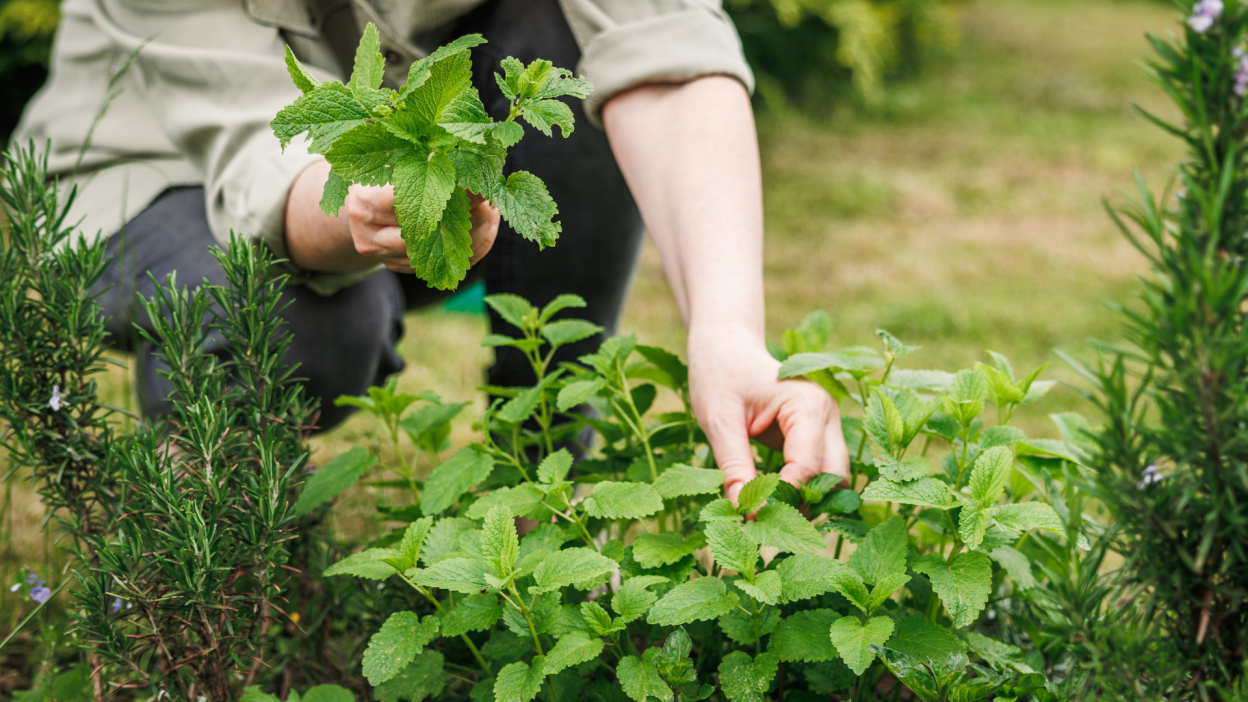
(614, 500)
(829, 677)
(597, 619)
(370, 65)
(720, 509)
(928, 492)
(524, 500)
(989, 475)
(754, 493)
(334, 195)
(640, 679)
(571, 565)
(766, 588)
(912, 468)
(527, 206)
(449, 537)
(573, 649)
(839, 502)
(883, 553)
(694, 601)
(685, 481)
(442, 257)
(804, 637)
(543, 114)
(805, 363)
(517, 682)
(578, 393)
(369, 564)
(781, 526)
(465, 575)
(396, 644)
(849, 583)
(744, 629)
(422, 187)
(998, 654)
(1030, 515)
(554, 468)
(326, 114)
(893, 345)
(479, 168)
(805, 576)
(368, 154)
(744, 680)
(972, 525)
(853, 640)
(508, 133)
(1016, 564)
(731, 547)
(1001, 388)
(1001, 436)
(967, 394)
(414, 539)
(924, 641)
(465, 117)
(634, 599)
(963, 586)
(448, 79)
(303, 80)
(333, 478)
(657, 550)
(473, 613)
(885, 588)
(499, 543)
(423, 678)
(323, 693)
(569, 331)
(453, 478)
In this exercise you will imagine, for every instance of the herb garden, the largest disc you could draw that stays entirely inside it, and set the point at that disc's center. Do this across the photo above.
(581, 547)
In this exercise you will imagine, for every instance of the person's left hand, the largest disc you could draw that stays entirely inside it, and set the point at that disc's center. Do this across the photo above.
(736, 397)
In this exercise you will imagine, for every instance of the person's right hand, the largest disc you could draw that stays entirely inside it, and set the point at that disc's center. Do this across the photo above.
(375, 227)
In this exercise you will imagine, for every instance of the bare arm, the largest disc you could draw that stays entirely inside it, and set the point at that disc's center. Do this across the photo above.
(690, 155)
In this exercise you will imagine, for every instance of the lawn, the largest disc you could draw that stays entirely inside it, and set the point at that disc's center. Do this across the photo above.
(965, 214)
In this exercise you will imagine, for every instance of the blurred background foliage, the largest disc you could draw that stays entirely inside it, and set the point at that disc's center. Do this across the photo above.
(26, 30)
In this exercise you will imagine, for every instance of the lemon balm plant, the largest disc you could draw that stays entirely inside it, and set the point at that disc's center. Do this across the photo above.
(630, 577)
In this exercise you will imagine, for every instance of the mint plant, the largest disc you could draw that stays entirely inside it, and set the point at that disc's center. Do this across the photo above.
(431, 140)
(635, 579)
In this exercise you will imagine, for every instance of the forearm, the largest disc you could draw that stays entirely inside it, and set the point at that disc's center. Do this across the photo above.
(690, 155)
(316, 241)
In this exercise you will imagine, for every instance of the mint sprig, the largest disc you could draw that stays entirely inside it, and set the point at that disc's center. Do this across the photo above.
(432, 140)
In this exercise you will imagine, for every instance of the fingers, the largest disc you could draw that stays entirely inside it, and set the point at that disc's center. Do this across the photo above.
(804, 435)
(485, 221)
(835, 452)
(727, 435)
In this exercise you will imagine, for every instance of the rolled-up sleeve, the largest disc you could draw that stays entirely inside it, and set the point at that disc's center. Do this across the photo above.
(625, 43)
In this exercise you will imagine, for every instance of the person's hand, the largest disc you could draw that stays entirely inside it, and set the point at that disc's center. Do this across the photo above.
(375, 227)
(736, 397)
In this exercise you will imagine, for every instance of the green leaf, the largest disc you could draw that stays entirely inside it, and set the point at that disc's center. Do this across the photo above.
(1001, 388)
(423, 678)
(853, 640)
(369, 564)
(966, 397)
(517, 682)
(303, 80)
(694, 601)
(448, 79)
(766, 588)
(928, 492)
(781, 526)
(849, 583)
(422, 187)
(499, 543)
(453, 478)
(508, 133)
(634, 599)
(569, 331)
(1000, 655)
(250, 694)
(597, 619)
(972, 525)
(514, 310)
(326, 114)
(442, 257)
(883, 553)
(685, 481)
(335, 477)
(885, 588)
(524, 500)
(414, 540)
(396, 644)
(578, 393)
(573, 649)
(800, 364)
(805, 576)
(466, 575)
(368, 155)
(526, 205)
(839, 502)
(613, 500)
(893, 345)
(912, 468)
(990, 474)
(656, 550)
(743, 629)
(963, 586)
(1001, 436)
(1016, 564)
(451, 537)
(479, 168)
(640, 679)
(325, 693)
(370, 65)
(465, 117)
(476, 612)
(756, 492)
(554, 468)
(804, 637)
(717, 510)
(731, 547)
(925, 641)
(1030, 515)
(542, 114)
(523, 405)
(744, 680)
(334, 196)
(829, 677)
(571, 565)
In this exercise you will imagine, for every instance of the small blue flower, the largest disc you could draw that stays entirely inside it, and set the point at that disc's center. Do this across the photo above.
(31, 578)
(116, 605)
(40, 594)
(55, 402)
(1204, 14)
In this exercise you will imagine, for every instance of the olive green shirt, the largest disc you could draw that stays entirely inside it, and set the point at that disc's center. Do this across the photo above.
(195, 105)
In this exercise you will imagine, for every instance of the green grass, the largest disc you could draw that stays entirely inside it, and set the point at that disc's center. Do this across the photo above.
(964, 215)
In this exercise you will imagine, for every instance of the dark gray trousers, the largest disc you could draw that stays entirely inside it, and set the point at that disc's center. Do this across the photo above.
(345, 342)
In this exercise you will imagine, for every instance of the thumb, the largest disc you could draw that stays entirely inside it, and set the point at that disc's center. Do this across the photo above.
(731, 444)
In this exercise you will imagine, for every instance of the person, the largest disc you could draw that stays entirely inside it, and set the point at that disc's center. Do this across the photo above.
(184, 154)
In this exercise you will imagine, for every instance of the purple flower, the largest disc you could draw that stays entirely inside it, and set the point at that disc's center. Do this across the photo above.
(31, 578)
(40, 594)
(1204, 14)
(1149, 476)
(55, 403)
(116, 605)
